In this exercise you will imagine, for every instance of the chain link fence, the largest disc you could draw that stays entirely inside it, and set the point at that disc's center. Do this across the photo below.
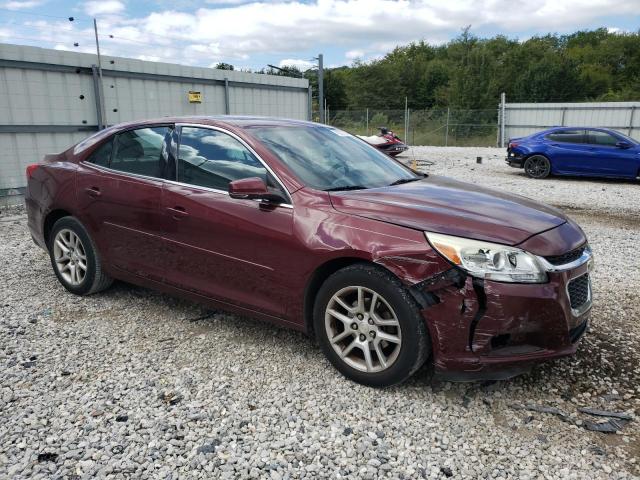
(439, 127)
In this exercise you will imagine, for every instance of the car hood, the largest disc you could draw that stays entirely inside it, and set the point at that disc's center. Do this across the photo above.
(443, 205)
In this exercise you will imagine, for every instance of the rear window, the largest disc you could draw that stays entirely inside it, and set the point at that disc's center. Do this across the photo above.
(567, 136)
(138, 151)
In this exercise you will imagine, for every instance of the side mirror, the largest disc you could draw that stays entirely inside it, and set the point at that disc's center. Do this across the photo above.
(623, 144)
(253, 188)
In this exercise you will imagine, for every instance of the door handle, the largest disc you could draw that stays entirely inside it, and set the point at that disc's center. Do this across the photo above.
(177, 212)
(93, 191)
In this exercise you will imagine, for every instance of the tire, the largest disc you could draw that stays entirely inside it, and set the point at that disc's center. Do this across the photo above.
(537, 166)
(83, 253)
(395, 316)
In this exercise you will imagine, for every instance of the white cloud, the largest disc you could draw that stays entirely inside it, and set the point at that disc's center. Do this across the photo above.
(296, 62)
(103, 7)
(353, 54)
(21, 4)
(237, 31)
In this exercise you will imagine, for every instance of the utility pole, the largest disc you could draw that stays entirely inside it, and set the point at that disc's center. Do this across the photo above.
(321, 88)
(101, 89)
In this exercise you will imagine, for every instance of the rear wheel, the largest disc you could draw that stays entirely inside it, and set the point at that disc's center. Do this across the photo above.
(370, 327)
(537, 166)
(74, 258)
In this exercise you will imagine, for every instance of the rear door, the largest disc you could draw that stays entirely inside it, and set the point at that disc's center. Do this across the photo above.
(569, 151)
(609, 159)
(224, 248)
(119, 189)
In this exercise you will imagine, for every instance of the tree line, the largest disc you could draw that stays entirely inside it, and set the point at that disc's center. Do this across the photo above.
(470, 72)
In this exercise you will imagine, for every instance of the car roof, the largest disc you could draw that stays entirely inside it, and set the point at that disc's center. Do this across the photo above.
(229, 121)
(562, 129)
(240, 121)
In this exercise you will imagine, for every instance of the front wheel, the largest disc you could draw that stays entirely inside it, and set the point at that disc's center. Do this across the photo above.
(370, 327)
(537, 166)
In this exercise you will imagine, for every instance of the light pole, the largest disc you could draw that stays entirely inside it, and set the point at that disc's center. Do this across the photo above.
(101, 89)
(321, 88)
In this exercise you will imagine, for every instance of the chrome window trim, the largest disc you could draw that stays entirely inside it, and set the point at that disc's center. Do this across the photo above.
(224, 192)
(248, 147)
(174, 182)
(87, 163)
(586, 256)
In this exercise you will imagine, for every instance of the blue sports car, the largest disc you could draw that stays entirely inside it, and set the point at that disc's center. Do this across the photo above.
(580, 151)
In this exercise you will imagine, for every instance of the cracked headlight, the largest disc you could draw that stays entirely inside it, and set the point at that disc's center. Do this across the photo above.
(489, 260)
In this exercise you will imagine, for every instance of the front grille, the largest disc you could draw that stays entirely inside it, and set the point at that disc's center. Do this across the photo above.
(578, 289)
(565, 258)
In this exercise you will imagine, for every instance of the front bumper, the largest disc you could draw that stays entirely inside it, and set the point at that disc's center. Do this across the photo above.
(490, 330)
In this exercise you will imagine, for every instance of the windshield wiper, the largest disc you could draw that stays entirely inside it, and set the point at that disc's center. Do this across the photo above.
(345, 187)
(405, 180)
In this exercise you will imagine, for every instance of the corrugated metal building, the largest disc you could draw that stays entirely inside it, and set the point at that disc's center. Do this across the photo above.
(49, 99)
(523, 119)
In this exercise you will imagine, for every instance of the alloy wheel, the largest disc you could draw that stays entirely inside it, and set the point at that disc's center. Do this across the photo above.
(70, 256)
(363, 329)
(538, 167)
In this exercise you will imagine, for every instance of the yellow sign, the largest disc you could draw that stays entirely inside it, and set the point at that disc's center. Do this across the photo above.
(195, 97)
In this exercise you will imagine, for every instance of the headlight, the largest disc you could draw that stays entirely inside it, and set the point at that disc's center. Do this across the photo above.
(489, 260)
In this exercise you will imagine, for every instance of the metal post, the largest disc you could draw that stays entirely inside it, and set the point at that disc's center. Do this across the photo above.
(321, 88)
(446, 132)
(367, 121)
(503, 118)
(633, 110)
(406, 140)
(324, 120)
(227, 104)
(406, 108)
(310, 114)
(498, 128)
(564, 111)
(101, 111)
(96, 94)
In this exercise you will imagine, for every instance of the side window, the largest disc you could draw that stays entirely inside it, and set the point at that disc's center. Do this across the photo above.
(102, 155)
(209, 158)
(567, 136)
(602, 138)
(139, 151)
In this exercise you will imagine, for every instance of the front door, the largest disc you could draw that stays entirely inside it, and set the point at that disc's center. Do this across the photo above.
(225, 248)
(609, 159)
(119, 188)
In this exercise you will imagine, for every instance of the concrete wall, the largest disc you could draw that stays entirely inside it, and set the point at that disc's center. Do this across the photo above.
(523, 119)
(49, 101)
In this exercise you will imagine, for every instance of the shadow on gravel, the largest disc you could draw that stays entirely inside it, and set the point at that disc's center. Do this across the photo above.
(572, 178)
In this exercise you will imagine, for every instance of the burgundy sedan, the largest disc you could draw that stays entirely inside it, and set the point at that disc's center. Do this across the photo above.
(306, 226)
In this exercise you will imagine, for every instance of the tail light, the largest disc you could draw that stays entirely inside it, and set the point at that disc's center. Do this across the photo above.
(30, 169)
(513, 145)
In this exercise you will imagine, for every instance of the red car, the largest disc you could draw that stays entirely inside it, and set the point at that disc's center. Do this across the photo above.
(306, 226)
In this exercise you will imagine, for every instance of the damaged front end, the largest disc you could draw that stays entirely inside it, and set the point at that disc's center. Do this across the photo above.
(482, 328)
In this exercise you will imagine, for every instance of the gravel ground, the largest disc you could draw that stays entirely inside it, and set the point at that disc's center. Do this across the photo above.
(130, 383)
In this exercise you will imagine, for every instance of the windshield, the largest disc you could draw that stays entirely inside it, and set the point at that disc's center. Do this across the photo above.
(627, 138)
(326, 158)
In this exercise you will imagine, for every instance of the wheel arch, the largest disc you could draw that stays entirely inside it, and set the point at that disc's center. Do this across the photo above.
(328, 268)
(317, 278)
(50, 219)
